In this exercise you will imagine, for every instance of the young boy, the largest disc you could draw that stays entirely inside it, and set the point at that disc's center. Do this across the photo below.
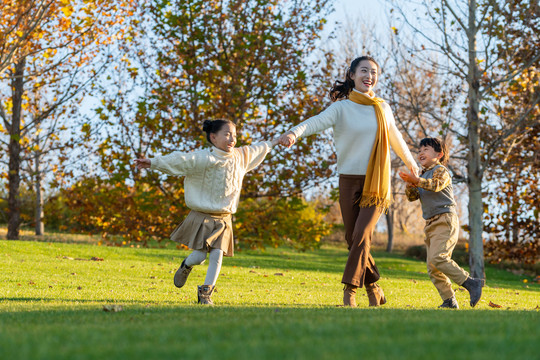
(434, 189)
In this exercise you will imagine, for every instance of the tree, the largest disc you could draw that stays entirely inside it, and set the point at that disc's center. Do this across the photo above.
(464, 41)
(20, 25)
(185, 62)
(52, 59)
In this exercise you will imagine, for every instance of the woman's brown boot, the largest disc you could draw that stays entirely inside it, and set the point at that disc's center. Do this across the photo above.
(375, 294)
(349, 293)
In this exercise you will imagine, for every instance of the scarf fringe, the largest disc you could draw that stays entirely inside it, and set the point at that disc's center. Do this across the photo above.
(369, 201)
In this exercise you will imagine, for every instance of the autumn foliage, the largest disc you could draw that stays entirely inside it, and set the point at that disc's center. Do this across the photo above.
(184, 62)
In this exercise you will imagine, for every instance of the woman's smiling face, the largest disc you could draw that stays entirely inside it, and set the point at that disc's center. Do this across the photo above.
(365, 76)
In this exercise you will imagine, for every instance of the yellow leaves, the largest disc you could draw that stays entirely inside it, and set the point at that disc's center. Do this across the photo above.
(49, 53)
(67, 10)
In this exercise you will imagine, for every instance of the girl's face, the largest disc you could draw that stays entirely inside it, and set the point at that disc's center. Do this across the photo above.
(225, 138)
(365, 76)
(428, 156)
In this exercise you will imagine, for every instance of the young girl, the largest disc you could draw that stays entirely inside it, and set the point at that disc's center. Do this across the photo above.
(213, 180)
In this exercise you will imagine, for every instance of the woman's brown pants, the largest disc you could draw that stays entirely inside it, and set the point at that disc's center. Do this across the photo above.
(359, 226)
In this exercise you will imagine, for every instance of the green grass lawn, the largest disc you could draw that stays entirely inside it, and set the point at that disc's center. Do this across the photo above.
(277, 304)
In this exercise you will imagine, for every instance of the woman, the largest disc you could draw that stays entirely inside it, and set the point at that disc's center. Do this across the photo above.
(364, 129)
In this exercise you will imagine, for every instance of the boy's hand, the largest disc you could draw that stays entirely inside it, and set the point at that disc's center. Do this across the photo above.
(409, 177)
(142, 163)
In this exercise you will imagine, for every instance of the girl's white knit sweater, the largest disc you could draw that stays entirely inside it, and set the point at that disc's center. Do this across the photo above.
(355, 127)
(213, 177)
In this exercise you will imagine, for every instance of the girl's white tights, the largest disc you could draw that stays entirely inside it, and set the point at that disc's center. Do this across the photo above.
(215, 259)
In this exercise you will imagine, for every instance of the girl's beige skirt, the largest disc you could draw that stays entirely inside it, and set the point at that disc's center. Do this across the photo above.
(202, 231)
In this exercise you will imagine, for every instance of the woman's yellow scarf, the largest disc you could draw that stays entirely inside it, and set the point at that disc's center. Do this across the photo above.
(377, 184)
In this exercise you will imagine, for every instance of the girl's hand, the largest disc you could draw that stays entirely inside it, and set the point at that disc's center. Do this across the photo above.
(142, 163)
(287, 139)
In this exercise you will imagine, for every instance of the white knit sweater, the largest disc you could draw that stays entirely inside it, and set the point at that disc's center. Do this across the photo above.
(213, 177)
(355, 127)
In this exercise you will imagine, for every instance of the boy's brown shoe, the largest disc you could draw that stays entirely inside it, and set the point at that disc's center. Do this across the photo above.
(450, 303)
(182, 274)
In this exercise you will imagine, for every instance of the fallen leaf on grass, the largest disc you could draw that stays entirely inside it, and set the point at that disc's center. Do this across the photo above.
(95, 258)
(112, 308)
(278, 274)
(493, 305)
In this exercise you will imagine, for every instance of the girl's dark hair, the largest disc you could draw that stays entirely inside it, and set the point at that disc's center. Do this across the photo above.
(341, 89)
(213, 126)
(439, 146)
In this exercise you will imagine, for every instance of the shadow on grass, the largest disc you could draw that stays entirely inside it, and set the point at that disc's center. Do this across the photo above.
(240, 332)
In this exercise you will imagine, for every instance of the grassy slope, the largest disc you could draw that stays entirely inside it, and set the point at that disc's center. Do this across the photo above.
(274, 304)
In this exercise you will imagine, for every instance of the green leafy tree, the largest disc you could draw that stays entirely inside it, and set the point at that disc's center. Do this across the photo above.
(183, 62)
(469, 42)
(50, 53)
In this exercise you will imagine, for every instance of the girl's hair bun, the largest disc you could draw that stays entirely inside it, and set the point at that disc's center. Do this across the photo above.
(207, 126)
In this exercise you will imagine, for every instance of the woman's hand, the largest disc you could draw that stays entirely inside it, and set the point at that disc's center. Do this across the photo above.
(415, 170)
(142, 163)
(287, 139)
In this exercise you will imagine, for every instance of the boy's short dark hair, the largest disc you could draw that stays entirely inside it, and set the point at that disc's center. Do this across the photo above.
(438, 145)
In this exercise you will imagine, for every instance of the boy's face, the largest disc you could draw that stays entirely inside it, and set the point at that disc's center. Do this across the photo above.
(225, 138)
(428, 156)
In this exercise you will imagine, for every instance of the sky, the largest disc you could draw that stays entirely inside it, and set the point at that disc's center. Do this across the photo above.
(373, 8)
(370, 10)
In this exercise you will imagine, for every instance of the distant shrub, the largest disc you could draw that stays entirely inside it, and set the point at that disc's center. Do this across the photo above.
(146, 213)
(280, 221)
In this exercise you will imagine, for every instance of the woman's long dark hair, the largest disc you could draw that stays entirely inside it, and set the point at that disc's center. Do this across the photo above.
(341, 89)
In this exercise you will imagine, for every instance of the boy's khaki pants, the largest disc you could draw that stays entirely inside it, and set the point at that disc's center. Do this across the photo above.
(441, 237)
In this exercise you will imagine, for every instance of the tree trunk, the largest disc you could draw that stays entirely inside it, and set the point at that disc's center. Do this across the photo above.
(14, 179)
(390, 229)
(476, 207)
(40, 229)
